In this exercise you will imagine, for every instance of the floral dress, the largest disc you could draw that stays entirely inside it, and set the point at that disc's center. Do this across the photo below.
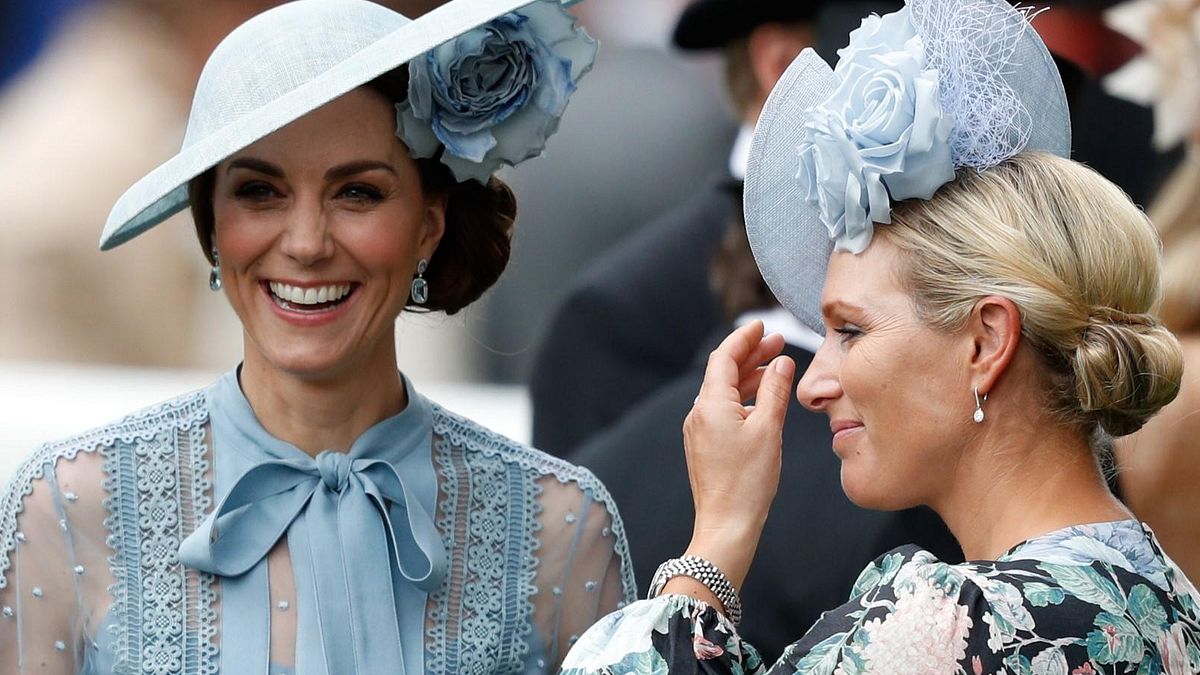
(1100, 598)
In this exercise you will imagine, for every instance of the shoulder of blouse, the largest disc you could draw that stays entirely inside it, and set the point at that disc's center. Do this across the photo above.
(175, 415)
(470, 436)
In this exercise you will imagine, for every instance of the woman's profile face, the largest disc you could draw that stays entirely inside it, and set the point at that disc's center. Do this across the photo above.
(897, 395)
(319, 227)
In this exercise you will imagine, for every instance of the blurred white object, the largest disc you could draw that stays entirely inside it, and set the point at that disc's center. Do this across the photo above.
(1166, 76)
(632, 22)
(48, 401)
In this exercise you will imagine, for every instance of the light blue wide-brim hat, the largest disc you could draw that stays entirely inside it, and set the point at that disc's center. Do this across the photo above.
(276, 68)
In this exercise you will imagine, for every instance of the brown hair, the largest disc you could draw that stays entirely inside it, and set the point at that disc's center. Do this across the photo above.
(740, 81)
(734, 276)
(479, 222)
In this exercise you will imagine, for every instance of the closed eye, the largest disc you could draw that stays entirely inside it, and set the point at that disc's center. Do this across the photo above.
(848, 332)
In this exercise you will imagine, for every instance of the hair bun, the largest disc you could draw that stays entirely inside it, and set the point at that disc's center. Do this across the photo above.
(1126, 367)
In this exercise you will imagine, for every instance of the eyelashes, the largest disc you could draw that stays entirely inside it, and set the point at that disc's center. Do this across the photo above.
(255, 191)
(361, 193)
(848, 332)
(261, 191)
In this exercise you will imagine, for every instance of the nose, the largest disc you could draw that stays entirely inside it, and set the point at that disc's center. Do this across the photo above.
(307, 238)
(820, 384)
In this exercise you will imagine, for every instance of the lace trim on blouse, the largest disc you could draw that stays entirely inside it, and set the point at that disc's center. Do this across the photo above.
(164, 617)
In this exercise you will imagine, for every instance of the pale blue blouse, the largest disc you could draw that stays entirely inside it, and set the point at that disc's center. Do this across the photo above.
(186, 539)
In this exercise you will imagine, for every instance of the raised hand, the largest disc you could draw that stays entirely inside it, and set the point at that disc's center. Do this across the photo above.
(733, 449)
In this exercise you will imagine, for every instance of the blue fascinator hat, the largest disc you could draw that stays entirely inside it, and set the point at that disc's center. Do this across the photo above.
(916, 95)
(488, 81)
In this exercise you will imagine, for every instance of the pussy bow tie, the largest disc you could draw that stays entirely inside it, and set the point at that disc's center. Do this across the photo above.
(349, 517)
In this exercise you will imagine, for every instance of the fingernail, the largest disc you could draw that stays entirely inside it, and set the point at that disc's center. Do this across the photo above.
(784, 366)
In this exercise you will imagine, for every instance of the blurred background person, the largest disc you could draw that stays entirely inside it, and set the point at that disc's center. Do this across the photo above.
(649, 131)
(635, 317)
(105, 100)
(1160, 465)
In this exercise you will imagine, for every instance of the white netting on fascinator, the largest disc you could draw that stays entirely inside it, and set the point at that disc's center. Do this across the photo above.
(972, 46)
(938, 86)
(993, 80)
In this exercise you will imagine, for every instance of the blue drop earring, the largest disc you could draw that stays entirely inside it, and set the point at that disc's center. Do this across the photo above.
(214, 275)
(420, 287)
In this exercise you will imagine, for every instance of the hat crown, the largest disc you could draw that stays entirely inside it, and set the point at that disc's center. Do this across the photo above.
(278, 51)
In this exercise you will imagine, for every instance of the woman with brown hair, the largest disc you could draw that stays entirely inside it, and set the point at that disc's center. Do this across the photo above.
(311, 511)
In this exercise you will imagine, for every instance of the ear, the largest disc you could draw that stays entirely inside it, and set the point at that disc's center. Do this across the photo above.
(995, 331)
(773, 47)
(434, 224)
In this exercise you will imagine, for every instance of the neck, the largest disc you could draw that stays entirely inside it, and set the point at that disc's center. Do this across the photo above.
(1020, 481)
(328, 412)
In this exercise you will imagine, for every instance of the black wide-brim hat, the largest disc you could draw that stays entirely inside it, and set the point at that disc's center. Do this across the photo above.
(709, 24)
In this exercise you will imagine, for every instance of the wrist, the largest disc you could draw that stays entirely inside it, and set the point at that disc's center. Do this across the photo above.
(729, 548)
(700, 579)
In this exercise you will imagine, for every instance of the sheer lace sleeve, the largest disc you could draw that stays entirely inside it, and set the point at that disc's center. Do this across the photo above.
(53, 571)
(581, 574)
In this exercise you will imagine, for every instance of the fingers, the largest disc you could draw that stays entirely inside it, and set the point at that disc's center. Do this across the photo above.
(748, 386)
(774, 391)
(733, 370)
(767, 348)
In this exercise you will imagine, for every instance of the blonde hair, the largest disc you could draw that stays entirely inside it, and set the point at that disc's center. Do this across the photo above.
(1080, 262)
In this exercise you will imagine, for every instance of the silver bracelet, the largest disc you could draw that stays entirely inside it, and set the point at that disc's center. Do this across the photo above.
(707, 574)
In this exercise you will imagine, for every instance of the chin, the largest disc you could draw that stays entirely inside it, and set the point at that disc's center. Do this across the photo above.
(307, 364)
(872, 493)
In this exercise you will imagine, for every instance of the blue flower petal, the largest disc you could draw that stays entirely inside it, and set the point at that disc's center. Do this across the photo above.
(493, 95)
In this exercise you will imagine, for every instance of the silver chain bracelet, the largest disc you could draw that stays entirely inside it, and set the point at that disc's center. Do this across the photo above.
(707, 574)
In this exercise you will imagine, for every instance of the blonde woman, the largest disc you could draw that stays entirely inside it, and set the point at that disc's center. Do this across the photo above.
(985, 304)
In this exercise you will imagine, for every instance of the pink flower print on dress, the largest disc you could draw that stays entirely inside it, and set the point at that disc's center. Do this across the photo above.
(704, 649)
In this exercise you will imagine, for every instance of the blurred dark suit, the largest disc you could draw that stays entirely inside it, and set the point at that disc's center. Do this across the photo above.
(630, 323)
(815, 542)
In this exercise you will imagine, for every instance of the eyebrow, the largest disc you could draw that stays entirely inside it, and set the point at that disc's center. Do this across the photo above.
(336, 173)
(830, 307)
(258, 165)
(362, 166)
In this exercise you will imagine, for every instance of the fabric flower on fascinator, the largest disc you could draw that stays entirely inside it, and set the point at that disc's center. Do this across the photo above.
(1167, 74)
(494, 95)
(881, 135)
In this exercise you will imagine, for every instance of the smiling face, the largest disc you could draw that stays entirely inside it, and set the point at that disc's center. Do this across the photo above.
(319, 227)
(896, 391)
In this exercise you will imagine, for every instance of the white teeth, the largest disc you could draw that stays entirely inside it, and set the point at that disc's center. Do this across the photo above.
(309, 296)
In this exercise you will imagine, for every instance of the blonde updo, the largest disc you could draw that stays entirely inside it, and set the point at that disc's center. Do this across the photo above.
(1078, 259)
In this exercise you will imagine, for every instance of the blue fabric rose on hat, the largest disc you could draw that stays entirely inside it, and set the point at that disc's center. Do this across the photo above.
(881, 135)
(494, 95)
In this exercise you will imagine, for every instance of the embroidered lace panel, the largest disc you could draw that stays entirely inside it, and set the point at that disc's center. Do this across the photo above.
(90, 526)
